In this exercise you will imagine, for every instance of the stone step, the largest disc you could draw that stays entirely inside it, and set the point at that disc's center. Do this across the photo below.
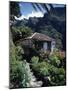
(36, 84)
(33, 76)
(33, 79)
(39, 83)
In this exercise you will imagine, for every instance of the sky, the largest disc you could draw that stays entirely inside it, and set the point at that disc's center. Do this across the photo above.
(28, 11)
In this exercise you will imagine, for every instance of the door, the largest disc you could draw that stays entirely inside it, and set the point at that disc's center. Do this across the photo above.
(45, 46)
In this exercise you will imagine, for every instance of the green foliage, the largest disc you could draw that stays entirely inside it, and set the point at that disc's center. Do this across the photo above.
(16, 34)
(44, 71)
(61, 71)
(52, 32)
(55, 74)
(51, 68)
(59, 54)
(59, 77)
(34, 59)
(44, 55)
(12, 54)
(19, 52)
(41, 68)
(15, 9)
(54, 60)
(20, 32)
(26, 31)
(26, 74)
(20, 74)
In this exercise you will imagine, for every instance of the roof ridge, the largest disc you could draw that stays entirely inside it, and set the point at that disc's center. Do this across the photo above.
(39, 35)
(32, 35)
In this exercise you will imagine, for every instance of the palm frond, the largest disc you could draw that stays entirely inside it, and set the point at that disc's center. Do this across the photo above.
(52, 8)
(38, 5)
(34, 6)
(45, 8)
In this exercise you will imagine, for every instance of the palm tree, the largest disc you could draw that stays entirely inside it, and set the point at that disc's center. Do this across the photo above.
(43, 6)
(15, 9)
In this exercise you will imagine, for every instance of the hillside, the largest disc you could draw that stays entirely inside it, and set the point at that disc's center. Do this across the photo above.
(34, 59)
(53, 25)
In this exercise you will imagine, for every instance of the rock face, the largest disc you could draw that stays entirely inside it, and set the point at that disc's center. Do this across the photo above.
(53, 25)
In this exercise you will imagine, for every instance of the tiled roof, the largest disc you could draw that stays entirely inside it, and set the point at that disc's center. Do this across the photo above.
(40, 37)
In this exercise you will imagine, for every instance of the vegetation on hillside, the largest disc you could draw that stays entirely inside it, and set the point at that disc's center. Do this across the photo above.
(37, 69)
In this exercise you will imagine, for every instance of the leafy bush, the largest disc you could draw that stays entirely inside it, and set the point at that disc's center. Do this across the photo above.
(26, 31)
(59, 77)
(60, 55)
(44, 71)
(20, 32)
(16, 34)
(41, 68)
(34, 59)
(20, 74)
(52, 32)
(54, 60)
(61, 71)
(44, 55)
(19, 52)
(55, 74)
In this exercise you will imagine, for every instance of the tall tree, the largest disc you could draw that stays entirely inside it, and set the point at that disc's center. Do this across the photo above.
(15, 9)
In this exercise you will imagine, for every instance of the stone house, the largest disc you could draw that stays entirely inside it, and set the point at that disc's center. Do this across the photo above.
(39, 41)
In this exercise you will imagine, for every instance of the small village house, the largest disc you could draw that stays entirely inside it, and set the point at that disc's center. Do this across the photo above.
(40, 42)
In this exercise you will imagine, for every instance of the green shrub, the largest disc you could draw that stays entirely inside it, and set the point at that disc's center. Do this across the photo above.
(44, 55)
(58, 78)
(20, 74)
(55, 74)
(54, 60)
(42, 68)
(26, 31)
(20, 32)
(34, 59)
(61, 71)
(59, 54)
(16, 34)
(44, 71)
(19, 52)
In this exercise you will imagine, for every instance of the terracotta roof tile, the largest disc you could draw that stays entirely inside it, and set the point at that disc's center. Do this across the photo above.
(40, 37)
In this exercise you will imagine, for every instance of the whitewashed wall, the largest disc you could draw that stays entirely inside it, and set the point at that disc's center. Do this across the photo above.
(45, 46)
(52, 46)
